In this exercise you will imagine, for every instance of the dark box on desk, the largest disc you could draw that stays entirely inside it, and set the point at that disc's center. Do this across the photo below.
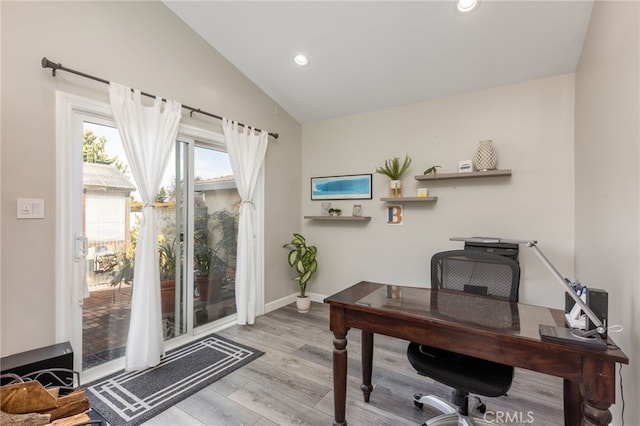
(49, 357)
(598, 302)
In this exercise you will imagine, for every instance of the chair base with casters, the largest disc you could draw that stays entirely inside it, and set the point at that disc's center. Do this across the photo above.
(451, 412)
(466, 373)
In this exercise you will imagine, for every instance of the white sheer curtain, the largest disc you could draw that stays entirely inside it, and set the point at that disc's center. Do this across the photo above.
(246, 154)
(148, 134)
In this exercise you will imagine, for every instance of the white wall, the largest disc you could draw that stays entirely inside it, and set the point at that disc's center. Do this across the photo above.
(140, 44)
(531, 125)
(608, 179)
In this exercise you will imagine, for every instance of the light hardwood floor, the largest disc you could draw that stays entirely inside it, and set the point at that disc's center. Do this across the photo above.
(291, 384)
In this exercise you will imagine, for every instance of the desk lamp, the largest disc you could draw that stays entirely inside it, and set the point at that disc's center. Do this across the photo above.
(599, 326)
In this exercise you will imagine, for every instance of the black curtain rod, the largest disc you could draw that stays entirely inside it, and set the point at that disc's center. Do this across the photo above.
(49, 64)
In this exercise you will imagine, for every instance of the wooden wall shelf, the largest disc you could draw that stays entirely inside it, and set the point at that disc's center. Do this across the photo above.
(408, 199)
(342, 218)
(464, 175)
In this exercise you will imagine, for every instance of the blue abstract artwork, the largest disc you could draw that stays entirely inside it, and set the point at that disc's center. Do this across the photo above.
(349, 187)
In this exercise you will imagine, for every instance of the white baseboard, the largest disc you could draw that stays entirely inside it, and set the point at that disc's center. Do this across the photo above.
(277, 304)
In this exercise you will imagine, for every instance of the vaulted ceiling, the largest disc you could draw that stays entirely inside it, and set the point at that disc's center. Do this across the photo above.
(369, 55)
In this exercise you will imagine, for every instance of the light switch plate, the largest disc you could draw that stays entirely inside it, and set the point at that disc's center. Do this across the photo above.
(30, 208)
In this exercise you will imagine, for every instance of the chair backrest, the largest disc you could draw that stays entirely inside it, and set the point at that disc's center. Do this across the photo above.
(476, 272)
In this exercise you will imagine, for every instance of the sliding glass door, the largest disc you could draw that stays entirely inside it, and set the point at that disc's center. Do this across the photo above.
(197, 210)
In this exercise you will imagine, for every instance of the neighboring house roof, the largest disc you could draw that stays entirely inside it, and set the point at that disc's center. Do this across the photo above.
(105, 177)
(220, 182)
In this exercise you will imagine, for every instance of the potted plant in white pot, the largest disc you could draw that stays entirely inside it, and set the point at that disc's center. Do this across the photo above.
(303, 259)
(394, 171)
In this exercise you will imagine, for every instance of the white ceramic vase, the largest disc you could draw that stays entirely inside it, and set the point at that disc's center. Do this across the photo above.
(486, 158)
(303, 304)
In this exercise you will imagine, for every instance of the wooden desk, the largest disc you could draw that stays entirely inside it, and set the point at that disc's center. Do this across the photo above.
(503, 332)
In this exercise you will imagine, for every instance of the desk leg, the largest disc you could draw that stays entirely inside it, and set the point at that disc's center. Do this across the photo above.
(339, 377)
(367, 364)
(572, 403)
(598, 389)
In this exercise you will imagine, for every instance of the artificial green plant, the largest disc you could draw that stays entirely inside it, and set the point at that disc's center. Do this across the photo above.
(303, 259)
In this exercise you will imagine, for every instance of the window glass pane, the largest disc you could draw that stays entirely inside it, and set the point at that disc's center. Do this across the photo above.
(108, 191)
(170, 218)
(216, 207)
(112, 210)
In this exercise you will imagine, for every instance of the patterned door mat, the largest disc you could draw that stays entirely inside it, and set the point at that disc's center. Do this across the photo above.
(130, 398)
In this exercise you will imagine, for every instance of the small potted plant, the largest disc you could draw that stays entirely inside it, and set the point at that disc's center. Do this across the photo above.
(167, 259)
(431, 170)
(122, 272)
(303, 259)
(394, 170)
(203, 257)
(335, 212)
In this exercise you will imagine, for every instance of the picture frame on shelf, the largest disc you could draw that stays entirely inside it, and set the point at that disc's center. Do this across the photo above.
(345, 187)
(325, 209)
(465, 166)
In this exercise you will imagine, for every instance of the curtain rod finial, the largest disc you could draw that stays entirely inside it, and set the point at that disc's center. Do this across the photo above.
(48, 64)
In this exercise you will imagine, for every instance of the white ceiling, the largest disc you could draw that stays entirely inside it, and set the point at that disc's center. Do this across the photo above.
(370, 55)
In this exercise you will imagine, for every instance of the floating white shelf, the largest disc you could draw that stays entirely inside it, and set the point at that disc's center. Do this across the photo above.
(343, 218)
(408, 199)
(464, 175)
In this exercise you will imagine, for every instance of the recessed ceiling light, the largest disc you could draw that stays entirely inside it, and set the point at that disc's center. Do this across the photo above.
(301, 60)
(466, 6)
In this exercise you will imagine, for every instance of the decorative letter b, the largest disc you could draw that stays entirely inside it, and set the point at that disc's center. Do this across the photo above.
(394, 215)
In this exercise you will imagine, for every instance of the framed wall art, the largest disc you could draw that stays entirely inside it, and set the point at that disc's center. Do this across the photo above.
(347, 187)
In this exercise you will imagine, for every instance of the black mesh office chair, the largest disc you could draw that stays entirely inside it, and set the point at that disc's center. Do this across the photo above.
(486, 274)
